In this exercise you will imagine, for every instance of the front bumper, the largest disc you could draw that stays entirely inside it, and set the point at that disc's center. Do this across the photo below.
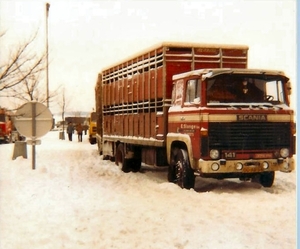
(248, 166)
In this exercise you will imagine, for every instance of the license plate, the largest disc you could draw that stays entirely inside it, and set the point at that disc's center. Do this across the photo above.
(252, 169)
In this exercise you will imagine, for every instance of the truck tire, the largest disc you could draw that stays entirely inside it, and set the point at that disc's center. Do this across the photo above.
(136, 161)
(92, 140)
(121, 162)
(180, 171)
(136, 165)
(266, 179)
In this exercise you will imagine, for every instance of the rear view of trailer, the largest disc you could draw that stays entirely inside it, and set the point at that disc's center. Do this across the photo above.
(133, 96)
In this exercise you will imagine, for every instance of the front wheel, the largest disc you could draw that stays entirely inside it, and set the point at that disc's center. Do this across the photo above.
(180, 171)
(266, 179)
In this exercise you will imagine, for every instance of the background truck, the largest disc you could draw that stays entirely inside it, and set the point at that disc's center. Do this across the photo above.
(5, 126)
(199, 110)
(92, 127)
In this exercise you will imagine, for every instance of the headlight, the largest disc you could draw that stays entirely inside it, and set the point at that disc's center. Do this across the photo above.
(214, 154)
(215, 166)
(265, 165)
(239, 166)
(284, 152)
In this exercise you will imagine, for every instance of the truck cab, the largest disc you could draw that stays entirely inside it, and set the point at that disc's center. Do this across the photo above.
(230, 123)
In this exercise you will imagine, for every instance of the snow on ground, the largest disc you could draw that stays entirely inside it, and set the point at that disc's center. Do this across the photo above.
(74, 199)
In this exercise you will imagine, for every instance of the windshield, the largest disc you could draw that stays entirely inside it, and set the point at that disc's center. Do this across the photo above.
(241, 89)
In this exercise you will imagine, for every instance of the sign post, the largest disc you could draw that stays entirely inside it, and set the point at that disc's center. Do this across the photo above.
(33, 133)
(34, 120)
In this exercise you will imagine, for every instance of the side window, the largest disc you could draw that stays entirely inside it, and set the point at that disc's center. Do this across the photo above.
(192, 94)
(274, 91)
(177, 94)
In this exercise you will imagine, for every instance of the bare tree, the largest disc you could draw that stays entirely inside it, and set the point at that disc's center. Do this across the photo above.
(63, 103)
(23, 66)
(30, 89)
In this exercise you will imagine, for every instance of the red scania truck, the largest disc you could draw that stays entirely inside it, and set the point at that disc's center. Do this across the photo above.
(199, 110)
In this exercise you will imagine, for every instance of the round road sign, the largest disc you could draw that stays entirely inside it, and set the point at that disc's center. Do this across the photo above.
(33, 119)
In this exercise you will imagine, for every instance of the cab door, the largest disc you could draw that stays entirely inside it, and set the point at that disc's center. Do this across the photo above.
(191, 113)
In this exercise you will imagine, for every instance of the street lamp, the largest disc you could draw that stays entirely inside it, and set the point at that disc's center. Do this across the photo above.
(47, 67)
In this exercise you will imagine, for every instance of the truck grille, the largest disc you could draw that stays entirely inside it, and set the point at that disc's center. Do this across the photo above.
(249, 136)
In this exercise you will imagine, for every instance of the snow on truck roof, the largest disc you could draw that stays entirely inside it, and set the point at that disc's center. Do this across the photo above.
(209, 73)
(177, 45)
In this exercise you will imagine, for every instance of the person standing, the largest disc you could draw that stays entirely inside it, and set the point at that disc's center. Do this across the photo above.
(70, 130)
(79, 129)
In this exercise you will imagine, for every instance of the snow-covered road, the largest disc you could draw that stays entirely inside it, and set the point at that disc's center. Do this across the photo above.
(74, 199)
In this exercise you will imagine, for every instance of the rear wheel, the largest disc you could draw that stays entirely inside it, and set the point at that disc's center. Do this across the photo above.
(180, 171)
(136, 164)
(120, 159)
(136, 160)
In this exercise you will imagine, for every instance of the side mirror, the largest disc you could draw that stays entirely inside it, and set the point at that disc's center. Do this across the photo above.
(289, 87)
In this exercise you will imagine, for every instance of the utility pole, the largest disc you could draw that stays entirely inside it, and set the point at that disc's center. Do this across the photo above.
(47, 62)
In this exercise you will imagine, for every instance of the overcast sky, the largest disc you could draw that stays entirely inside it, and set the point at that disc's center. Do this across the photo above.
(86, 36)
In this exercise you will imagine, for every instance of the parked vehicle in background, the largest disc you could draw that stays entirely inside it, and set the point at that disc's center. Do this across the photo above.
(5, 126)
(199, 110)
(61, 124)
(92, 127)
